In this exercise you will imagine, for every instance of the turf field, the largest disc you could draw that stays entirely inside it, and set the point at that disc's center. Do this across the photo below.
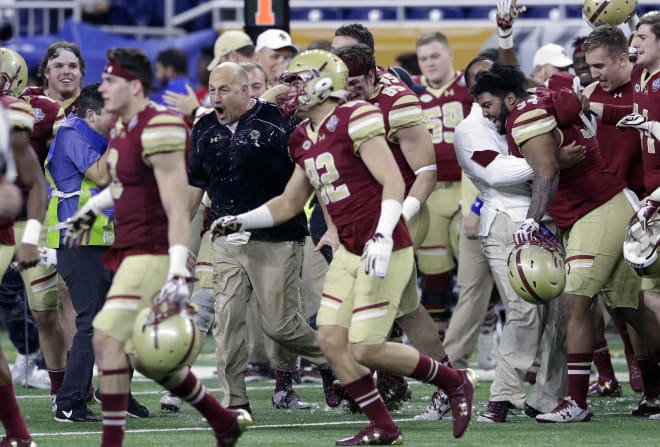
(612, 425)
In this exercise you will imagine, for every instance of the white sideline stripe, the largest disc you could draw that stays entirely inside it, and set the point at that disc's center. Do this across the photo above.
(254, 427)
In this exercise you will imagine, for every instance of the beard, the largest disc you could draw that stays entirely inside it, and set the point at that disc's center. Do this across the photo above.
(501, 117)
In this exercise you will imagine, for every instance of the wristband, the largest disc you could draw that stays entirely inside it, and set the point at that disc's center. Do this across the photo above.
(32, 232)
(257, 218)
(505, 41)
(178, 260)
(410, 207)
(390, 213)
(476, 206)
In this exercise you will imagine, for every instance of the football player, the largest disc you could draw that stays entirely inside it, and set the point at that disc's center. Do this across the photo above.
(341, 154)
(587, 202)
(149, 192)
(445, 101)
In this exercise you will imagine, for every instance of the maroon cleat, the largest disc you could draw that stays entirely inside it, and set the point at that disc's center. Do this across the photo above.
(609, 387)
(393, 389)
(635, 374)
(460, 399)
(229, 437)
(373, 435)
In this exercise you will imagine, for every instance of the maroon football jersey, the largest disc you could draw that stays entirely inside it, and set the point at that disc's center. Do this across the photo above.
(330, 158)
(140, 219)
(584, 186)
(400, 109)
(647, 102)
(443, 109)
(70, 105)
(49, 115)
(621, 151)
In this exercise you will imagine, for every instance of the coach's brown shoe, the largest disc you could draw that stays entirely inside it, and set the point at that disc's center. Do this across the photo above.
(373, 435)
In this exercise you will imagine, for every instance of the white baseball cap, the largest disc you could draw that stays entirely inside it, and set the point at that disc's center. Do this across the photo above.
(275, 39)
(552, 54)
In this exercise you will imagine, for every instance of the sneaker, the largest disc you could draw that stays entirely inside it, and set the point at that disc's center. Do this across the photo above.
(496, 412)
(15, 442)
(438, 408)
(647, 406)
(21, 370)
(80, 414)
(170, 402)
(567, 411)
(655, 417)
(460, 399)
(136, 409)
(609, 387)
(289, 399)
(487, 345)
(393, 389)
(530, 411)
(373, 435)
(310, 374)
(229, 437)
(635, 375)
(39, 379)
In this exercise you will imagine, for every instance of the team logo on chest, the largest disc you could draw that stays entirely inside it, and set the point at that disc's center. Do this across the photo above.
(426, 98)
(332, 123)
(38, 115)
(306, 145)
(255, 135)
(656, 85)
(637, 88)
(617, 95)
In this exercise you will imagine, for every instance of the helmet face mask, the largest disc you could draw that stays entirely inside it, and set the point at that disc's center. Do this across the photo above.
(536, 270)
(640, 248)
(610, 12)
(14, 73)
(313, 76)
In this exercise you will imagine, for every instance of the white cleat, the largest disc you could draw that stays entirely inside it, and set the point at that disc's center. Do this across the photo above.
(438, 408)
(170, 402)
(567, 411)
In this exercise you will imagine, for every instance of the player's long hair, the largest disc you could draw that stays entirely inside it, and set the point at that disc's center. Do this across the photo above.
(500, 80)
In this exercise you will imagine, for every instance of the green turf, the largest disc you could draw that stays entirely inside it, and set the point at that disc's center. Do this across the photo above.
(612, 425)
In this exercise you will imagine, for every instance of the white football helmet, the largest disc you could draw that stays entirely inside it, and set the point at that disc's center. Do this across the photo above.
(640, 248)
(318, 75)
(13, 73)
(165, 338)
(608, 12)
(536, 270)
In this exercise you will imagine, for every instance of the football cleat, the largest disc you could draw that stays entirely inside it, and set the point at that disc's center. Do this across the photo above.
(634, 373)
(170, 402)
(15, 442)
(609, 387)
(288, 399)
(373, 435)
(495, 412)
(567, 411)
(229, 437)
(393, 389)
(460, 399)
(647, 406)
(438, 408)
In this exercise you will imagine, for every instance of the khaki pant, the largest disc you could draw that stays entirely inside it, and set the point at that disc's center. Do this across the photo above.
(475, 284)
(528, 329)
(272, 271)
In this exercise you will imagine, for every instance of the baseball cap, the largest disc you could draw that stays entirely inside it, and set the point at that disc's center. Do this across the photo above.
(226, 43)
(275, 39)
(552, 54)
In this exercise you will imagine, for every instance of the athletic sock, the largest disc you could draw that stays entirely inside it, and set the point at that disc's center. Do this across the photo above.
(10, 414)
(432, 371)
(603, 361)
(579, 368)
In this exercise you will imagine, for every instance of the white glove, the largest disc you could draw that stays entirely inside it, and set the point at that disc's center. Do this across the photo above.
(377, 253)
(634, 121)
(526, 231)
(48, 257)
(79, 225)
(226, 225)
(175, 290)
(506, 15)
(646, 212)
